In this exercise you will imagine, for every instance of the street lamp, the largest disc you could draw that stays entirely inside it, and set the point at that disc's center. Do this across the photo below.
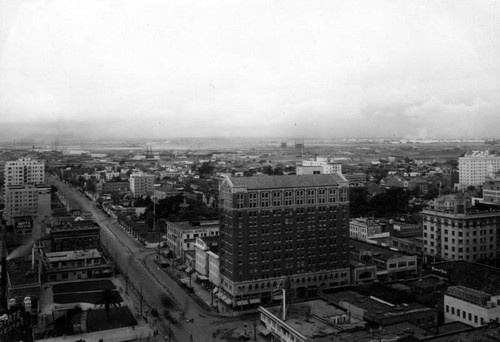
(255, 331)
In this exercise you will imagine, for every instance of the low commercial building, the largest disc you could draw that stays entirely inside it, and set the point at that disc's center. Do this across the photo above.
(380, 312)
(75, 235)
(363, 228)
(181, 235)
(202, 246)
(470, 306)
(307, 321)
(390, 264)
(73, 265)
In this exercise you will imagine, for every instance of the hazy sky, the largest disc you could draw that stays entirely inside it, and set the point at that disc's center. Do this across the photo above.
(251, 68)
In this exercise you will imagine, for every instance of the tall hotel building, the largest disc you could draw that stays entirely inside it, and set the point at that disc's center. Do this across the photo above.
(274, 227)
(452, 230)
(475, 166)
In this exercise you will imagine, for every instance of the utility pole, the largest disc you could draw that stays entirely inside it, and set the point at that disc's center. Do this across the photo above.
(141, 299)
(126, 281)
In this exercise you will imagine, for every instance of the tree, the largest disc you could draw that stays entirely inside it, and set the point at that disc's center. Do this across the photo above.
(108, 299)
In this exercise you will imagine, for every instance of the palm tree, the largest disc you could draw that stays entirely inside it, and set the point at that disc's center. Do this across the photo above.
(108, 299)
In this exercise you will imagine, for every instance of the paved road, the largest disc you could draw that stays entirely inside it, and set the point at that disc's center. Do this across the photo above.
(131, 257)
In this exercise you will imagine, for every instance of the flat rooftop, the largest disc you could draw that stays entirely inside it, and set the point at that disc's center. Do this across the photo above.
(21, 272)
(377, 251)
(314, 318)
(375, 305)
(73, 255)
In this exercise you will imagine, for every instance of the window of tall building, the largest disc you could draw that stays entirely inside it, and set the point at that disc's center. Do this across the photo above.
(299, 197)
(332, 195)
(277, 195)
(311, 196)
(252, 199)
(288, 197)
(264, 199)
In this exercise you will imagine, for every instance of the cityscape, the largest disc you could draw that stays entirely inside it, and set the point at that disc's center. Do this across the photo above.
(229, 171)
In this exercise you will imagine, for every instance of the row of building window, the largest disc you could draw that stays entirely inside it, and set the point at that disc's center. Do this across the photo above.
(291, 197)
(464, 315)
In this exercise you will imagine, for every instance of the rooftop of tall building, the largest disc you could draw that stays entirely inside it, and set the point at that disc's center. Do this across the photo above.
(288, 181)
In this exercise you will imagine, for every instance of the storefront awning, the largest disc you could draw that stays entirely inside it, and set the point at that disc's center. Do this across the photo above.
(188, 270)
(219, 295)
(202, 277)
(227, 301)
(254, 301)
(215, 290)
(278, 297)
(242, 302)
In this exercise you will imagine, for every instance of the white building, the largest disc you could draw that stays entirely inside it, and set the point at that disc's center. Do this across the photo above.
(453, 232)
(24, 171)
(213, 268)
(363, 228)
(182, 235)
(470, 306)
(141, 184)
(27, 200)
(475, 166)
(313, 167)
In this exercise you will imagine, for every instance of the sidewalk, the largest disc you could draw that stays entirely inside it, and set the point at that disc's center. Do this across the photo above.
(139, 333)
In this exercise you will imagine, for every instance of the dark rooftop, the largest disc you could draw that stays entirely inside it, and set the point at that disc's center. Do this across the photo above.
(289, 181)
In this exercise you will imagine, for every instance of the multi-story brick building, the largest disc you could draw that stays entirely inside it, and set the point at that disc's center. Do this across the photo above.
(452, 230)
(283, 226)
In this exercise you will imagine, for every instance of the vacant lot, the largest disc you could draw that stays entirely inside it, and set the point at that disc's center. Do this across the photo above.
(121, 317)
(83, 286)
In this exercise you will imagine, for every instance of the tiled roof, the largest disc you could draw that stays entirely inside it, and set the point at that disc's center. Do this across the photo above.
(290, 181)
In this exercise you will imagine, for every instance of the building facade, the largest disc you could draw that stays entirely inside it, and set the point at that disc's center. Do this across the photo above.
(470, 306)
(141, 184)
(182, 235)
(363, 228)
(75, 235)
(24, 171)
(475, 166)
(73, 265)
(274, 227)
(458, 232)
(491, 190)
(27, 200)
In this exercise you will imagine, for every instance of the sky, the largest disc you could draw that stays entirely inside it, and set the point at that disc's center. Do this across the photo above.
(307, 69)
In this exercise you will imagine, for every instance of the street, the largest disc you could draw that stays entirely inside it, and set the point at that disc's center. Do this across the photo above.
(143, 275)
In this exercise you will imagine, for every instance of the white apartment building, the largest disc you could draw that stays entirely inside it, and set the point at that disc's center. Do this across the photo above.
(475, 166)
(24, 171)
(470, 306)
(313, 167)
(460, 233)
(141, 184)
(27, 200)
